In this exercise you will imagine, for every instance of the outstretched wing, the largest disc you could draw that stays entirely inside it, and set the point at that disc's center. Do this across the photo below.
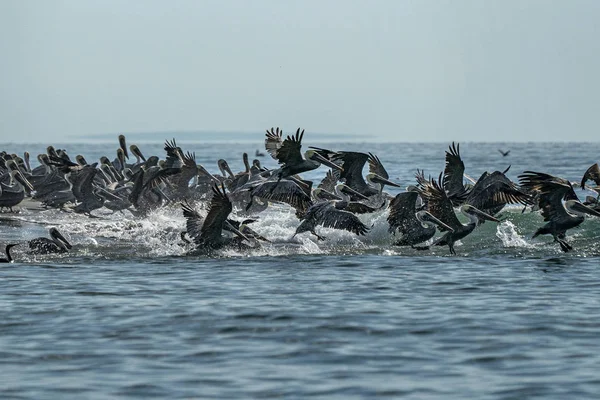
(453, 172)
(494, 190)
(273, 141)
(376, 167)
(219, 209)
(193, 222)
(552, 191)
(438, 203)
(402, 210)
(289, 152)
(330, 217)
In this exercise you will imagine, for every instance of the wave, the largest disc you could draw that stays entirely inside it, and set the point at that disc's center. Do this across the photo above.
(123, 236)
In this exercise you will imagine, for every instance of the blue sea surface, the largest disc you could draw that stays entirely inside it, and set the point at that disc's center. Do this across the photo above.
(127, 314)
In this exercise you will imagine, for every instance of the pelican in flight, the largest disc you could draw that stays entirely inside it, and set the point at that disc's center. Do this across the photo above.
(207, 233)
(559, 216)
(504, 153)
(413, 226)
(8, 258)
(58, 243)
(287, 153)
(440, 206)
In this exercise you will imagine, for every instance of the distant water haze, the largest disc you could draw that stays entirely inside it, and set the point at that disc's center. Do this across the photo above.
(388, 71)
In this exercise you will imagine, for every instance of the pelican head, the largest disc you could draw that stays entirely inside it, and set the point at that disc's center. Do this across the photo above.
(59, 239)
(123, 145)
(80, 160)
(378, 180)
(322, 194)
(224, 168)
(315, 156)
(577, 208)
(19, 177)
(475, 214)
(121, 158)
(137, 153)
(427, 219)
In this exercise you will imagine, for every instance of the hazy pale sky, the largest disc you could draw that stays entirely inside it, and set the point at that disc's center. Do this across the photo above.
(397, 70)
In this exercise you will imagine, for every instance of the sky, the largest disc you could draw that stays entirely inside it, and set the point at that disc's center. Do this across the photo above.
(387, 70)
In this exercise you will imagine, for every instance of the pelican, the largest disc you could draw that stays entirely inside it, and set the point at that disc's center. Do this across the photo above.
(414, 226)
(453, 175)
(58, 243)
(8, 258)
(287, 153)
(504, 153)
(257, 153)
(592, 173)
(353, 163)
(559, 216)
(13, 192)
(440, 206)
(207, 233)
(331, 214)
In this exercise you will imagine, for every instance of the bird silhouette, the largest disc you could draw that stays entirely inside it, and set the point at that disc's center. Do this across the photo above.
(504, 153)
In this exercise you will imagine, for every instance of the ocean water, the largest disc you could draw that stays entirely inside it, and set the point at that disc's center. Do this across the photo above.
(127, 314)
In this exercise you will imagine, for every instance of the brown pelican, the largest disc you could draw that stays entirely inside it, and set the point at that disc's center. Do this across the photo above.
(207, 233)
(592, 173)
(559, 216)
(13, 192)
(42, 245)
(331, 214)
(440, 206)
(188, 170)
(493, 191)
(294, 192)
(453, 175)
(257, 153)
(287, 153)
(353, 163)
(8, 258)
(504, 153)
(413, 226)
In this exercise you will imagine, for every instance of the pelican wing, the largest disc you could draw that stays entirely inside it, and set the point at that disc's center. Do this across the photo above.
(193, 222)
(273, 141)
(174, 155)
(330, 217)
(439, 204)
(353, 164)
(376, 167)
(402, 210)
(289, 152)
(453, 172)
(552, 191)
(331, 178)
(285, 191)
(495, 189)
(219, 209)
(592, 173)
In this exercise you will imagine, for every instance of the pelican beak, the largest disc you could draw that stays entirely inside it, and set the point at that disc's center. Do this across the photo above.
(483, 215)
(203, 170)
(380, 179)
(348, 189)
(436, 221)
(585, 209)
(62, 239)
(23, 181)
(236, 231)
(324, 194)
(136, 151)
(123, 145)
(317, 157)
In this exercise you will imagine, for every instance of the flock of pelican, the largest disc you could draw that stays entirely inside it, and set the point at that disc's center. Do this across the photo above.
(208, 200)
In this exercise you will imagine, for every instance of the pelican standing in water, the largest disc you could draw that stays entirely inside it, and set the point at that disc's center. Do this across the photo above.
(42, 245)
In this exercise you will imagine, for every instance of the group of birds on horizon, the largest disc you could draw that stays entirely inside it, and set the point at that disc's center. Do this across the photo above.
(207, 200)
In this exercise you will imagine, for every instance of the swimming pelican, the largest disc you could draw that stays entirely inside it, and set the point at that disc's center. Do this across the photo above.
(58, 243)
(559, 216)
(8, 258)
(413, 226)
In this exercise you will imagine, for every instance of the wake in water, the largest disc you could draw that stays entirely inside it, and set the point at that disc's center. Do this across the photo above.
(176, 207)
